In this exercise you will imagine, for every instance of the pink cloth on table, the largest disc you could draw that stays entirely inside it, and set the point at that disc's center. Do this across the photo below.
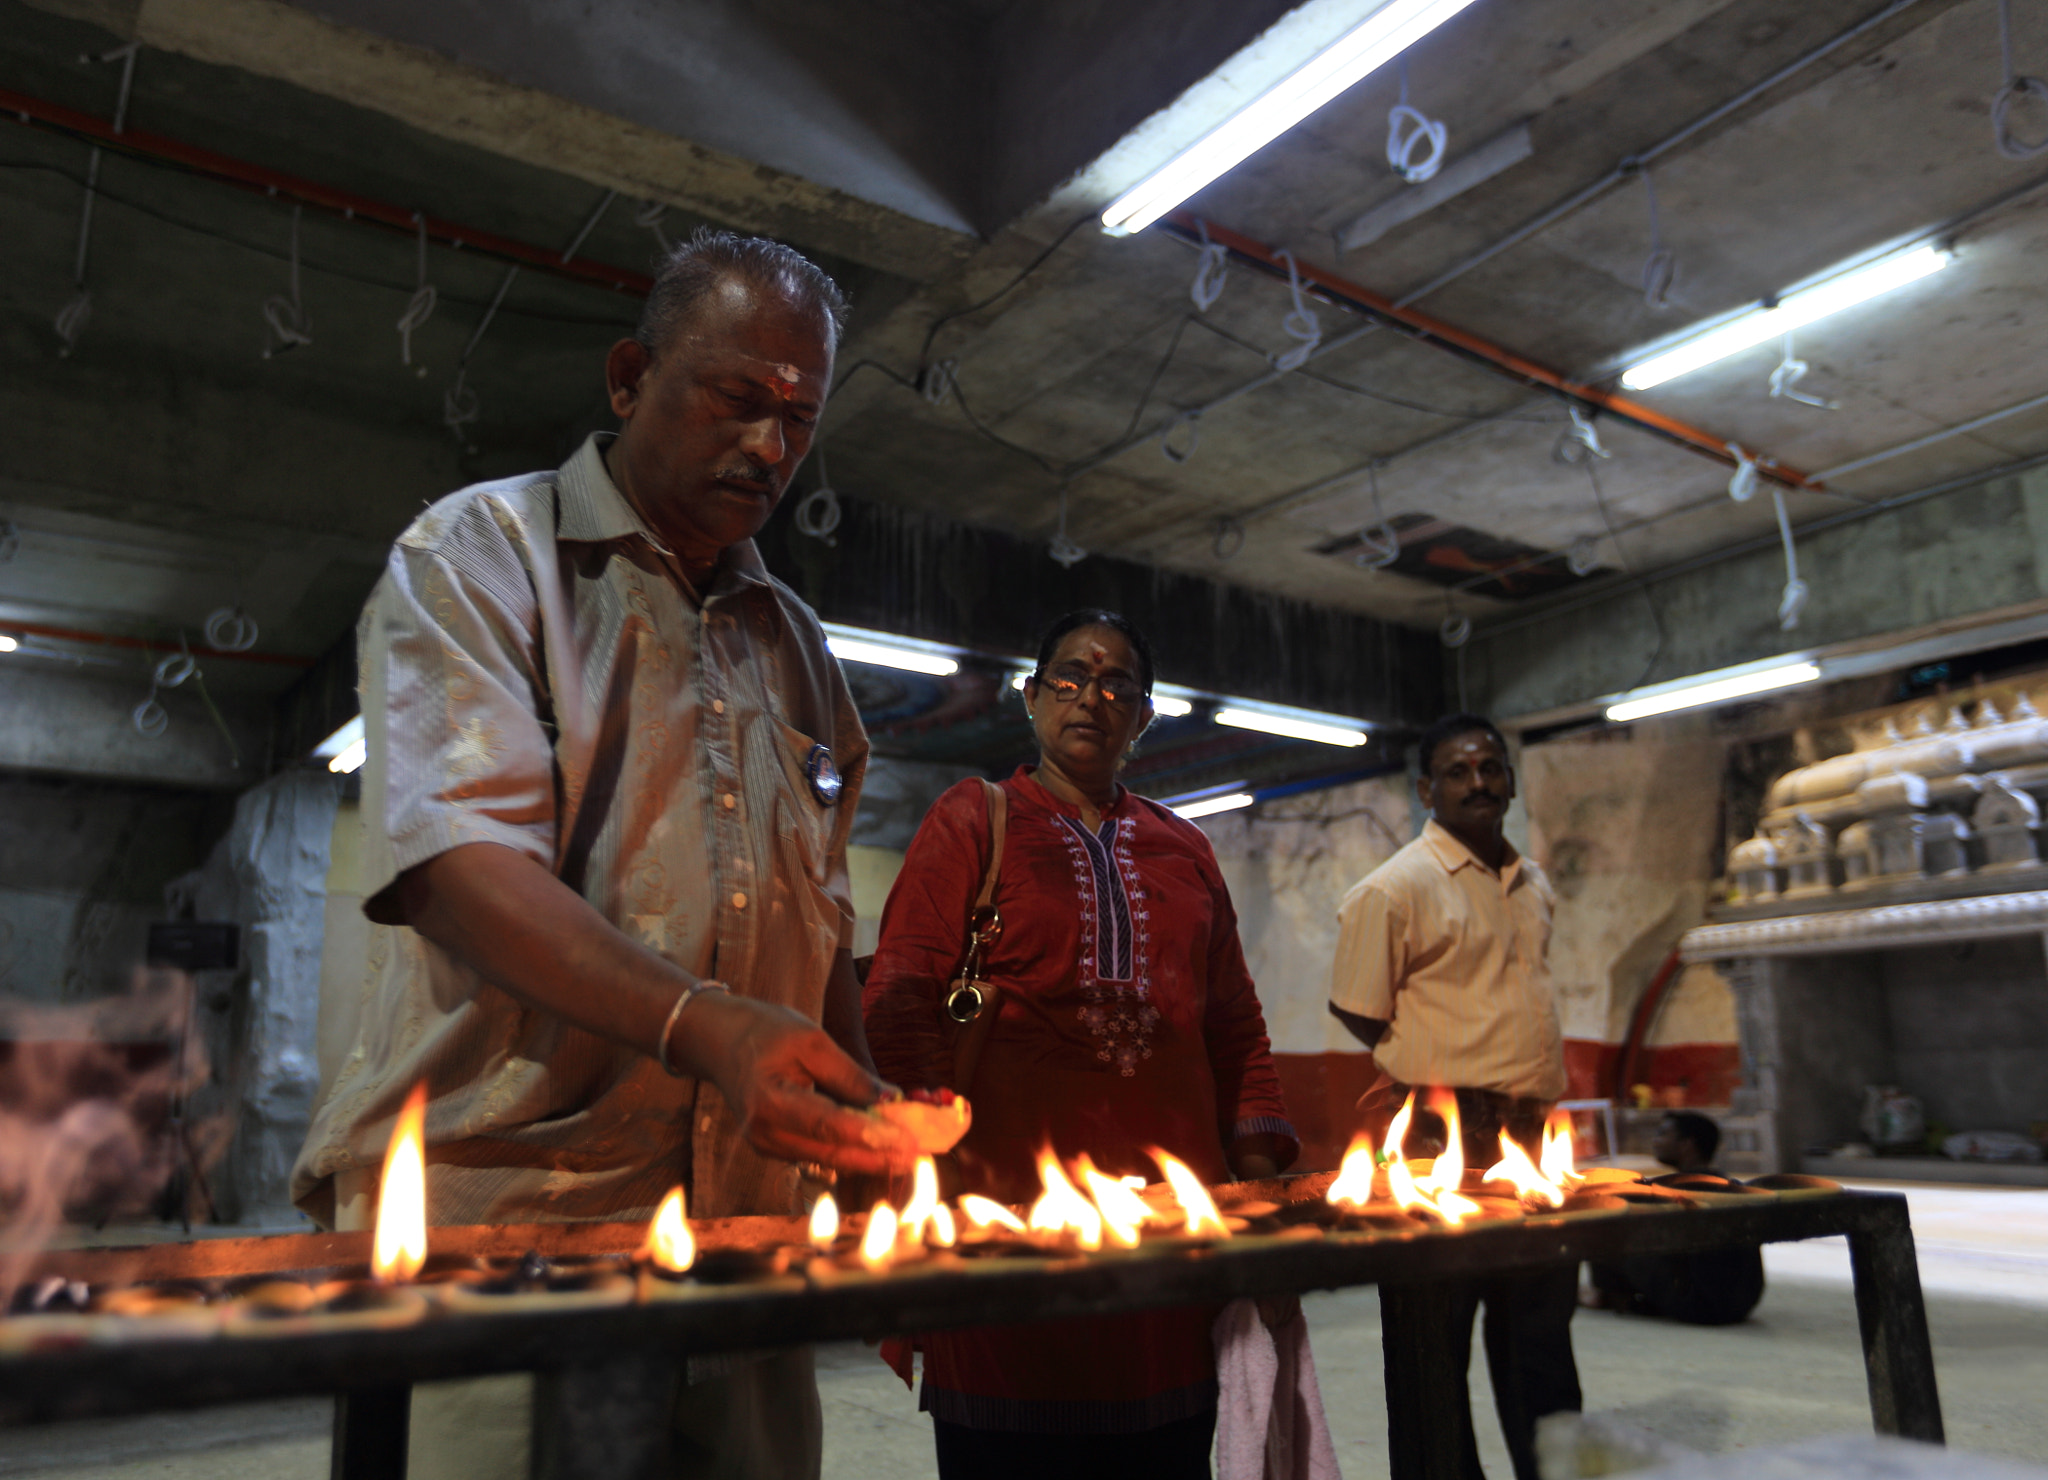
(1269, 1410)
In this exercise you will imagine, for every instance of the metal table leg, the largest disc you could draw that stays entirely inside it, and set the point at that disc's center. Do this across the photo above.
(371, 1426)
(1897, 1354)
(1426, 1338)
(608, 1421)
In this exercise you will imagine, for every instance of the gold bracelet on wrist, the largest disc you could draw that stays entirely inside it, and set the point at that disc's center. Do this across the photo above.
(668, 1028)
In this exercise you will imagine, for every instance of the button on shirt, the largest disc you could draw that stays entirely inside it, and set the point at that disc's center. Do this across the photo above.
(537, 673)
(1450, 955)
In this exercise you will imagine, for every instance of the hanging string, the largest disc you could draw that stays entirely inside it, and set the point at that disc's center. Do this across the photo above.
(231, 630)
(1379, 542)
(1062, 549)
(1409, 130)
(460, 404)
(1785, 379)
(1192, 420)
(1660, 268)
(72, 318)
(2014, 87)
(1794, 600)
(1742, 486)
(935, 383)
(420, 307)
(1578, 443)
(1210, 264)
(1301, 325)
(287, 317)
(819, 513)
(1229, 537)
(649, 215)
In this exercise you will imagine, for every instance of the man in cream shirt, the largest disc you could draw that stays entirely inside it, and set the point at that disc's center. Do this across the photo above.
(1440, 969)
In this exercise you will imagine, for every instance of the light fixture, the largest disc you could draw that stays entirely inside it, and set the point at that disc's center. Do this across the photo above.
(1322, 728)
(1794, 310)
(881, 650)
(1210, 806)
(345, 750)
(1391, 29)
(1693, 692)
(7, 644)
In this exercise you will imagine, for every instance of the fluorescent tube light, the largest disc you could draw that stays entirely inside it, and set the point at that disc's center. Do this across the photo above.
(1390, 30)
(1325, 730)
(880, 650)
(1714, 691)
(7, 644)
(344, 750)
(1210, 806)
(1795, 310)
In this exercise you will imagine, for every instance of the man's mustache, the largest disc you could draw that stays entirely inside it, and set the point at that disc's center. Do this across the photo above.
(755, 477)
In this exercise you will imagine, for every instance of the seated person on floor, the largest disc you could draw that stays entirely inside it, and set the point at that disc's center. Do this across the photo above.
(1717, 1288)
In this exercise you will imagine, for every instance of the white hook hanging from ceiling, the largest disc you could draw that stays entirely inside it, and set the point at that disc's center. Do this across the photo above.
(2013, 88)
(72, 318)
(1301, 325)
(1794, 600)
(1660, 268)
(1785, 379)
(1379, 543)
(420, 307)
(289, 322)
(1210, 264)
(1579, 441)
(819, 513)
(1415, 142)
(649, 215)
(1742, 487)
(1062, 549)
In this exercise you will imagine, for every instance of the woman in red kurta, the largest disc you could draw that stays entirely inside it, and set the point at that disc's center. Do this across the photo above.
(1126, 1021)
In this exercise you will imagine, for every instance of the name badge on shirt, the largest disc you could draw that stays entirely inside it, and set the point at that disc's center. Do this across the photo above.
(824, 776)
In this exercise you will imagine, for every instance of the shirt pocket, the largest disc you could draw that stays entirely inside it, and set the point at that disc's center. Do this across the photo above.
(803, 820)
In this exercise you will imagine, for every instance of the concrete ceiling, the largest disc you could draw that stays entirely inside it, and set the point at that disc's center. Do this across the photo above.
(928, 153)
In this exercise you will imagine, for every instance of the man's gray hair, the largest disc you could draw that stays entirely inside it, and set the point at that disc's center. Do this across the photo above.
(709, 257)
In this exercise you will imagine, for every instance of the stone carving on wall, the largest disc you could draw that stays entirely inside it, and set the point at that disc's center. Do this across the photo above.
(1943, 797)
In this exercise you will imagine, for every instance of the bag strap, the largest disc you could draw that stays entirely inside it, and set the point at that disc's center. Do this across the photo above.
(998, 819)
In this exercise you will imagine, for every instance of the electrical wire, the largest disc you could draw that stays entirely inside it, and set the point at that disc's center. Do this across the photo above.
(931, 334)
(72, 318)
(1628, 569)
(367, 280)
(1660, 268)
(289, 322)
(1796, 592)
(420, 307)
(1421, 130)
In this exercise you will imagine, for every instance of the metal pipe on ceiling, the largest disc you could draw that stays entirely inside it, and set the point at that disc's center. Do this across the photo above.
(348, 205)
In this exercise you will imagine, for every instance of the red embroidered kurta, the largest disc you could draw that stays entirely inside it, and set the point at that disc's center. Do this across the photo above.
(1127, 1021)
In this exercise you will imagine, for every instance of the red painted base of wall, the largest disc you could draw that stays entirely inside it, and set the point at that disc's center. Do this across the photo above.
(1322, 1089)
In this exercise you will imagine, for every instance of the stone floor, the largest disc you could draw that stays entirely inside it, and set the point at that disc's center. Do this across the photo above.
(1794, 1371)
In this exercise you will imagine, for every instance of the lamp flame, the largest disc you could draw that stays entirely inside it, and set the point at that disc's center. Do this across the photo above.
(1353, 1187)
(982, 1211)
(1124, 1213)
(1534, 1189)
(401, 1240)
(944, 1232)
(1559, 1166)
(1195, 1202)
(669, 1245)
(1435, 1191)
(923, 1204)
(824, 1221)
(879, 1242)
(1061, 1207)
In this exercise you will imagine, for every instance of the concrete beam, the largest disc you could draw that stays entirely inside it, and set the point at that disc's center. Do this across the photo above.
(1980, 552)
(472, 104)
(79, 723)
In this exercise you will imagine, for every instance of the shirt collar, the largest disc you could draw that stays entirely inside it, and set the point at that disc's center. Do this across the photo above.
(1454, 855)
(594, 511)
(1051, 803)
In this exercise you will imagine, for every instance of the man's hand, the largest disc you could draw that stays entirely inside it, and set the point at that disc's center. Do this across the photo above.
(526, 931)
(789, 1085)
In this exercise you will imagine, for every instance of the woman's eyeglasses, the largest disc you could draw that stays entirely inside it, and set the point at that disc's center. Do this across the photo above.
(1117, 692)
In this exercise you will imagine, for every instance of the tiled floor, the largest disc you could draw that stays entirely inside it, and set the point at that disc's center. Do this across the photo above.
(1791, 1372)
